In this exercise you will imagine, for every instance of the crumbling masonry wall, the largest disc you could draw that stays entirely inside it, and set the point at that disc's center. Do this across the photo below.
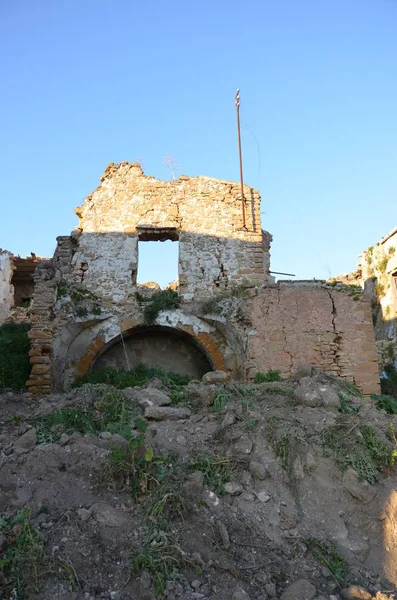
(376, 273)
(6, 288)
(316, 324)
(205, 215)
(86, 297)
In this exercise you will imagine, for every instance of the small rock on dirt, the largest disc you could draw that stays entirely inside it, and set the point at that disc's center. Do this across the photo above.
(240, 594)
(233, 488)
(161, 413)
(241, 448)
(26, 442)
(360, 490)
(311, 463)
(307, 393)
(258, 470)
(303, 370)
(201, 394)
(223, 534)
(356, 592)
(108, 515)
(297, 468)
(270, 589)
(194, 484)
(147, 397)
(214, 377)
(299, 590)
(329, 397)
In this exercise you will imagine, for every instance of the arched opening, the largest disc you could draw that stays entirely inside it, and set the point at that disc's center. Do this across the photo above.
(173, 350)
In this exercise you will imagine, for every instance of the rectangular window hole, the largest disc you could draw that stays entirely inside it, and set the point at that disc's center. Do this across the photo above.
(157, 261)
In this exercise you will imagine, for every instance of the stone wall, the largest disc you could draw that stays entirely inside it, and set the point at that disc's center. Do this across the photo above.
(205, 215)
(316, 324)
(86, 299)
(377, 274)
(6, 288)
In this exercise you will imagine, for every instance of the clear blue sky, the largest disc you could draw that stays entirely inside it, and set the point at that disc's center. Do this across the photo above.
(88, 82)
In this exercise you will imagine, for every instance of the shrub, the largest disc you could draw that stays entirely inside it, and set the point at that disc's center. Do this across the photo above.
(385, 402)
(388, 382)
(268, 376)
(140, 375)
(161, 300)
(14, 355)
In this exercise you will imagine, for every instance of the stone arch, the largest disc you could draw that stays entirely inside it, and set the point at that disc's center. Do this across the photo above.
(194, 331)
(171, 348)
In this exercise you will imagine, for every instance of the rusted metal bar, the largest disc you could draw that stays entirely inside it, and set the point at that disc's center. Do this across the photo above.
(278, 273)
(240, 156)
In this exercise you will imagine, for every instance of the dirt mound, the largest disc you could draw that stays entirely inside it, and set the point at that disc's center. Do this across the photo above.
(216, 490)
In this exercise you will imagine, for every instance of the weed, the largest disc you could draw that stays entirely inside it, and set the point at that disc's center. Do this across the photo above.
(81, 311)
(161, 300)
(251, 423)
(14, 355)
(362, 450)
(211, 307)
(108, 412)
(382, 264)
(162, 556)
(217, 470)
(327, 555)
(349, 387)
(385, 402)
(62, 289)
(268, 376)
(271, 429)
(388, 381)
(80, 294)
(379, 291)
(222, 398)
(25, 560)
(346, 406)
(140, 376)
(392, 250)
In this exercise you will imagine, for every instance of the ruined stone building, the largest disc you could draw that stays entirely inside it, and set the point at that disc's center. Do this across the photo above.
(376, 273)
(87, 311)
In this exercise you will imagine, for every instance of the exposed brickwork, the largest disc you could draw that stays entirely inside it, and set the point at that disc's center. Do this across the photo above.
(315, 324)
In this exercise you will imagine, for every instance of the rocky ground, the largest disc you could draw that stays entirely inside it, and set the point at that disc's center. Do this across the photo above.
(216, 490)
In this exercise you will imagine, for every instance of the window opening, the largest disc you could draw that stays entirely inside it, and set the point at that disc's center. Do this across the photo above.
(158, 256)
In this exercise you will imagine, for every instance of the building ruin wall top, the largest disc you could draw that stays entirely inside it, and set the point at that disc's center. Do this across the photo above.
(126, 199)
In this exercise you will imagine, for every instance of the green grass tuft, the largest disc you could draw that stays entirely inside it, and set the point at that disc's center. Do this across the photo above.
(362, 450)
(327, 555)
(140, 375)
(267, 377)
(110, 411)
(25, 561)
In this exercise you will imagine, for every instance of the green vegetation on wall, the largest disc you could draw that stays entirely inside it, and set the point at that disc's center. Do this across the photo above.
(14, 355)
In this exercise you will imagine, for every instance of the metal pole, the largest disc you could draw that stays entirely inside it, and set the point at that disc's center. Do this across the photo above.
(240, 156)
(278, 273)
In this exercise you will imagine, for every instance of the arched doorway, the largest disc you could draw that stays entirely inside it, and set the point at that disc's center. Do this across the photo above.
(156, 346)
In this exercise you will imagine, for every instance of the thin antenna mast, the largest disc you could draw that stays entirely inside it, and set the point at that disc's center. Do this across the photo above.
(240, 157)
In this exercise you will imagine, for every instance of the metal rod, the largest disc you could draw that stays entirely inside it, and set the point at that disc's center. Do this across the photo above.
(240, 156)
(278, 273)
